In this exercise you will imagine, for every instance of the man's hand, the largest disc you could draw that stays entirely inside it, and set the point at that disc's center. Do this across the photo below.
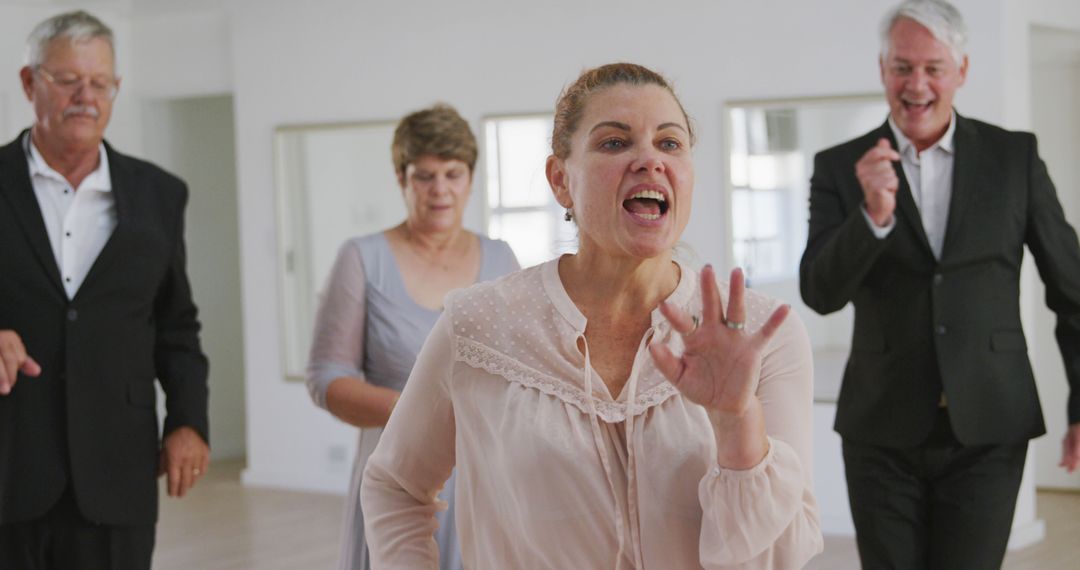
(185, 457)
(1070, 448)
(879, 181)
(13, 359)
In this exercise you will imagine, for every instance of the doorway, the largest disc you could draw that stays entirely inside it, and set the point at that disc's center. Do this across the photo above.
(194, 139)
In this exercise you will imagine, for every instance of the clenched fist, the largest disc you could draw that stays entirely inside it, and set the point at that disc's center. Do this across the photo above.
(879, 181)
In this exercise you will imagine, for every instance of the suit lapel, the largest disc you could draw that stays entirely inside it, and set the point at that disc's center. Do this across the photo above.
(905, 202)
(16, 188)
(121, 190)
(965, 164)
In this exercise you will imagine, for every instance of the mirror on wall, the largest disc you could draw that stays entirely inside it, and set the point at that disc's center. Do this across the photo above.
(332, 182)
(772, 146)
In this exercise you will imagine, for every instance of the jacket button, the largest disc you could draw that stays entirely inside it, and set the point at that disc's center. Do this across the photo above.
(938, 278)
(72, 315)
(941, 329)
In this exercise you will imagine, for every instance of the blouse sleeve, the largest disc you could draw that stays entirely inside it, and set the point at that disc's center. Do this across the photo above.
(337, 346)
(412, 461)
(767, 516)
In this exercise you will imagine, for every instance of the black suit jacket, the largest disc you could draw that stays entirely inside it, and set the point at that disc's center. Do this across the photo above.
(923, 326)
(89, 420)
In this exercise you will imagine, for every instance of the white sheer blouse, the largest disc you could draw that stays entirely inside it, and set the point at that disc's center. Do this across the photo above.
(555, 472)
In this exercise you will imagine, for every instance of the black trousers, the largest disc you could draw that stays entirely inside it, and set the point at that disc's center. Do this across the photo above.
(941, 505)
(64, 540)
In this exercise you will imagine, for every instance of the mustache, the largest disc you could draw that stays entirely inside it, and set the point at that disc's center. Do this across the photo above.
(81, 110)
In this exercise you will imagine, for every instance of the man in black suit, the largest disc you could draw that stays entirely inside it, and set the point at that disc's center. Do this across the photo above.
(94, 305)
(921, 224)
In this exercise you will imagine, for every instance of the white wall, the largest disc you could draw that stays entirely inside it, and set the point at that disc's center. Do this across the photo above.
(182, 53)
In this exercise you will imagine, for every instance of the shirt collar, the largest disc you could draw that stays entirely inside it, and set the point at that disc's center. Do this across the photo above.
(945, 143)
(100, 179)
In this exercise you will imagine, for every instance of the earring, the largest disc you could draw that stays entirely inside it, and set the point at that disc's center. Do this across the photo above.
(569, 215)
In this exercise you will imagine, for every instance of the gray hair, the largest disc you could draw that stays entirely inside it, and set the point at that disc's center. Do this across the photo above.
(77, 26)
(941, 18)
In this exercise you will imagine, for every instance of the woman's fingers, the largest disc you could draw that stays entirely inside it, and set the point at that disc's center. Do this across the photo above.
(768, 330)
(667, 363)
(736, 306)
(711, 310)
(680, 320)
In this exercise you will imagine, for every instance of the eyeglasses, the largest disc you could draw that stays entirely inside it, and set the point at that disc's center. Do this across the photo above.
(101, 85)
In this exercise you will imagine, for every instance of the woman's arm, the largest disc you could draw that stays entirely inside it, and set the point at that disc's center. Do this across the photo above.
(758, 508)
(412, 461)
(354, 401)
(334, 379)
(766, 516)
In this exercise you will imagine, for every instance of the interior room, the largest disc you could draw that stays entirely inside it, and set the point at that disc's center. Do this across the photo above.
(279, 114)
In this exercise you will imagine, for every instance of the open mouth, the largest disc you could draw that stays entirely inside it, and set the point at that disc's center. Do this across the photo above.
(916, 106)
(647, 204)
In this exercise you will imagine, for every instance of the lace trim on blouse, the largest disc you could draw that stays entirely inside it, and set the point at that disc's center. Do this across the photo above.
(485, 358)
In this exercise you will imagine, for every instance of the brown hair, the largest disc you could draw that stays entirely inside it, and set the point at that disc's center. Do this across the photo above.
(439, 131)
(572, 100)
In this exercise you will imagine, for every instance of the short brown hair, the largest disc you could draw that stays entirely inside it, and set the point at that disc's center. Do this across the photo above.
(572, 100)
(439, 131)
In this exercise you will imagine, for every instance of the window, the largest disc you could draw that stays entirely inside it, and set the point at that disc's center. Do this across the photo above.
(521, 207)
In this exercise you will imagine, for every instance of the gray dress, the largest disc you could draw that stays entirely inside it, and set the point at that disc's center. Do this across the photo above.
(368, 326)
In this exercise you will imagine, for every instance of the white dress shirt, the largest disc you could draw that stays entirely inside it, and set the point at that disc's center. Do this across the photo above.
(929, 175)
(78, 220)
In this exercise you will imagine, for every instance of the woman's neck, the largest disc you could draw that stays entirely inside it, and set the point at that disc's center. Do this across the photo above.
(600, 284)
(433, 242)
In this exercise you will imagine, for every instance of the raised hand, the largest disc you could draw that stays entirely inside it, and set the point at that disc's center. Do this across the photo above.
(721, 363)
(879, 181)
(13, 359)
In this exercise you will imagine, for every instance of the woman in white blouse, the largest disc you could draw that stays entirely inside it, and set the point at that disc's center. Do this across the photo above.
(608, 409)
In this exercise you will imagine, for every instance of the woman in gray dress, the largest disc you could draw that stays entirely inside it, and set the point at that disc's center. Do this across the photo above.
(385, 293)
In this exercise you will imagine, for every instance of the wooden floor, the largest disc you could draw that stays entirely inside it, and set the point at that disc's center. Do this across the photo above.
(222, 525)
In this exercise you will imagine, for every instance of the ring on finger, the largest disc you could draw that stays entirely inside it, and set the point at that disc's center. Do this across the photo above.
(734, 325)
(697, 323)
(196, 471)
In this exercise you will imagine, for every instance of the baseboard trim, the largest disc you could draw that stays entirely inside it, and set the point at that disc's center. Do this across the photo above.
(837, 525)
(1027, 534)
